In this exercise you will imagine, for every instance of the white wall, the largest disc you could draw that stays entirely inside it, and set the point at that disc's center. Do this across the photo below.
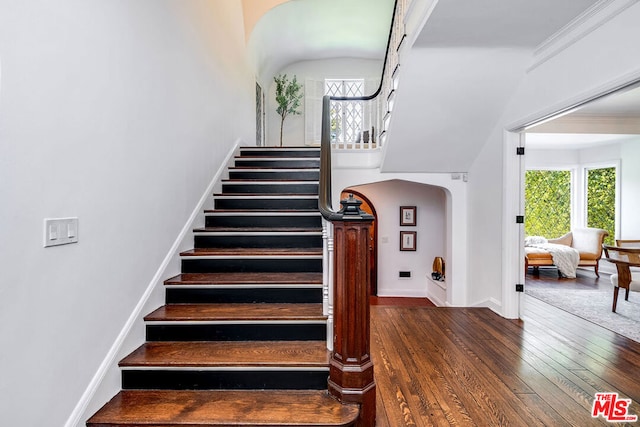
(431, 229)
(630, 190)
(551, 158)
(117, 112)
(449, 97)
(485, 228)
(338, 68)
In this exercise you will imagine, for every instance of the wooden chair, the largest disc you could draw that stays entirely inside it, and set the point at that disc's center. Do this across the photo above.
(624, 258)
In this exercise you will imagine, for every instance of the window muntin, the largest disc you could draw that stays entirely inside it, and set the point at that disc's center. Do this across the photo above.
(347, 117)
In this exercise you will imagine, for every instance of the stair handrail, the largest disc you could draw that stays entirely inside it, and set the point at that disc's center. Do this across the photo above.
(351, 376)
(324, 200)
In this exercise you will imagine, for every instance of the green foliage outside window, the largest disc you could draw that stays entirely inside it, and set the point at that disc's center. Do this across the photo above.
(547, 203)
(601, 200)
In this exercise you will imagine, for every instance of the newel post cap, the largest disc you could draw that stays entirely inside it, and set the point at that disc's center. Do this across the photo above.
(351, 209)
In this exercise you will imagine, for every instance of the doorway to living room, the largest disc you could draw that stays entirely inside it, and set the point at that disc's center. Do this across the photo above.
(578, 173)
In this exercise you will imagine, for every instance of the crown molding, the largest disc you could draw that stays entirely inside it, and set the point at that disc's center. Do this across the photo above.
(587, 123)
(585, 23)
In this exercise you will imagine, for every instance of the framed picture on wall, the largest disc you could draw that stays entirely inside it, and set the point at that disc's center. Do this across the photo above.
(407, 215)
(408, 240)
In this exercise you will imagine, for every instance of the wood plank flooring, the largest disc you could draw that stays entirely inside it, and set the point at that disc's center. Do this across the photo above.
(469, 366)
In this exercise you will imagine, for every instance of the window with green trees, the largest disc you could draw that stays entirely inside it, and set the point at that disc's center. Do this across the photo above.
(601, 200)
(547, 203)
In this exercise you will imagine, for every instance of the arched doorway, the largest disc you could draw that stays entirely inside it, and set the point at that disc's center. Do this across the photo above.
(368, 207)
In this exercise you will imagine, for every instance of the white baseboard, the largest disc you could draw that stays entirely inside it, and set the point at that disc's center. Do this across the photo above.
(76, 419)
(490, 303)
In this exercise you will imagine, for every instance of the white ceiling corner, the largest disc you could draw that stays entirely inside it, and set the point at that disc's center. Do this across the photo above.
(300, 30)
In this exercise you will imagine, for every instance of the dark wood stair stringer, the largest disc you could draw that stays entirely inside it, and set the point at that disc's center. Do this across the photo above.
(241, 339)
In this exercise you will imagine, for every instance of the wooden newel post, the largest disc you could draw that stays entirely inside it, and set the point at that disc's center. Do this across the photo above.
(351, 368)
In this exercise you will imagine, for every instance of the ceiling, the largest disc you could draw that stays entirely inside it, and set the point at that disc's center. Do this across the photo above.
(573, 141)
(610, 119)
(486, 23)
(622, 103)
(300, 30)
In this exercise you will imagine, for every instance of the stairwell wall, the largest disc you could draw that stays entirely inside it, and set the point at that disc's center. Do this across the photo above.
(119, 113)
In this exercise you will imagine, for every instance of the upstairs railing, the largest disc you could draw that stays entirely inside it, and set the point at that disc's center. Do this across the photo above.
(346, 248)
(372, 112)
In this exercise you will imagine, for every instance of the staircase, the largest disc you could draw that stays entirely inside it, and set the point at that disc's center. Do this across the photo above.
(242, 338)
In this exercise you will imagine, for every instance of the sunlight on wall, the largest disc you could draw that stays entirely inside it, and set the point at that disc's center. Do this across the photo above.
(253, 10)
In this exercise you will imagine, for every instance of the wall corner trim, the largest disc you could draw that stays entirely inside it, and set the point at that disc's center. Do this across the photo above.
(590, 20)
(74, 419)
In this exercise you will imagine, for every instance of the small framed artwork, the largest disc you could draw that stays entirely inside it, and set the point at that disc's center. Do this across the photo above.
(408, 240)
(407, 215)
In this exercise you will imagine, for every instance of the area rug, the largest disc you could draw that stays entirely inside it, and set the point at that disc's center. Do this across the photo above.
(595, 306)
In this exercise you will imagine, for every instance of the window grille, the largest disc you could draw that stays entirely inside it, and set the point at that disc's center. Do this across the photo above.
(346, 117)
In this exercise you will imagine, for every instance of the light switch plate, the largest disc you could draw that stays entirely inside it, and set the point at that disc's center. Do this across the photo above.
(60, 231)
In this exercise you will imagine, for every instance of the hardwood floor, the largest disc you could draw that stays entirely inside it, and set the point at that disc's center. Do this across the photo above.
(547, 278)
(469, 366)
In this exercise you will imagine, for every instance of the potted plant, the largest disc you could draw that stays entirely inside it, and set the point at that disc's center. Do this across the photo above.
(288, 97)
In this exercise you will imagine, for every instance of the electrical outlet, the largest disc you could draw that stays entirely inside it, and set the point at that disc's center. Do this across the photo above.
(60, 231)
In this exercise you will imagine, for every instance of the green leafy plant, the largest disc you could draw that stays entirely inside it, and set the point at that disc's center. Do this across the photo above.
(601, 200)
(547, 203)
(288, 96)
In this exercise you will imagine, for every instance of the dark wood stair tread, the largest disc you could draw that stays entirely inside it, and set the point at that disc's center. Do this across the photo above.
(271, 167)
(262, 212)
(219, 354)
(258, 229)
(270, 195)
(234, 167)
(243, 168)
(163, 408)
(251, 252)
(267, 181)
(248, 155)
(222, 312)
(243, 278)
(311, 194)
